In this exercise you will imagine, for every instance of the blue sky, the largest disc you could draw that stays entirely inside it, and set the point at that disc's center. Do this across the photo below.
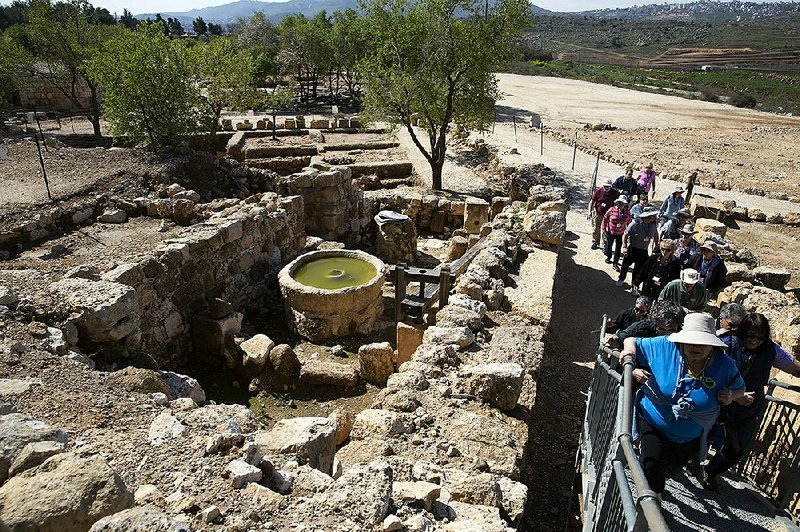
(151, 6)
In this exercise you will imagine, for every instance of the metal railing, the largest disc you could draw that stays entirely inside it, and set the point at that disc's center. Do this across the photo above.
(773, 462)
(615, 493)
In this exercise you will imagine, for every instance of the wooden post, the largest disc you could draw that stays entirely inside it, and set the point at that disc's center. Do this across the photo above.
(41, 162)
(574, 149)
(596, 169)
(444, 285)
(399, 291)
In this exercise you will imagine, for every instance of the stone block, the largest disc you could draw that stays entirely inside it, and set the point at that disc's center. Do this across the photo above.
(409, 338)
(707, 207)
(711, 227)
(312, 439)
(376, 423)
(328, 374)
(284, 366)
(415, 494)
(476, 213)
(460, 336)
(256, 351)
(498, 204)
(546, 227)
(241, 473)
(774, 278)
(498, 384)
(113, 216)
(456, 248)
(376, 362)
(208, 334)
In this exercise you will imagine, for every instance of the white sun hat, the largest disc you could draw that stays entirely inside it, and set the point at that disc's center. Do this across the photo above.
(698, 329)
(690, 276)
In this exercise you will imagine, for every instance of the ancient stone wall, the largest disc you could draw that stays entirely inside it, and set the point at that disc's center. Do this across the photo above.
(335, 206)
(235, 257)
(429, 212)
(36, 92)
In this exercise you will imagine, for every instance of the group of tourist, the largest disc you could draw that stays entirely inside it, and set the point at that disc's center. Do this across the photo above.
(701, 384)
(658, 243)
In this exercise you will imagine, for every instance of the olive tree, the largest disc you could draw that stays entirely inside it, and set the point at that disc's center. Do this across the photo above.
(149, 93)
(431, 63)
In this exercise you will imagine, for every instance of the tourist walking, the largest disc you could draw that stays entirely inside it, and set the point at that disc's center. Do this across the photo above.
(687, 247)
(658, 270)
(627, 185)
(730, 316)
(647, 180)
(671, 228)
(636, 242)
(638, 208)
(602, 200)
(678, 402)
(687, 291)
(615, 221)
(755, 354)
(711, 267)
(672, 204)
(629, 316)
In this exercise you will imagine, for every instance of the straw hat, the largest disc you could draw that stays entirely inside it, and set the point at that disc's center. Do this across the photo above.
(678, 189)
(690, 276)
(688, 229)
(698, 329)
(622, 199)
(709, 245)
(607, 183)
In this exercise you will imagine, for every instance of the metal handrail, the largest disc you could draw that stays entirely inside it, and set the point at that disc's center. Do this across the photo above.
(615, 504)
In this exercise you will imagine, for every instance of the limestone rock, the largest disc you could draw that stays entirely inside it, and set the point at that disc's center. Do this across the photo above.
(436, 355)
(165, 427)
(365, 491)
(456, 248)
(409, 338)
(513, 496)
(310, 481)
(34, 454)
(774, 278)
(475, 518)
(313, 439)
(468, 303)
(66, 493)
(7, 297)
(256, 351)
(375, 423)
(140, 519)
(138, 380)
(392, 523)
(113, 216)
(285, 365)
(241, 473)
(344, 424)
(183, 386)
(522, 345)
(711, 227)
(739, 272)
(147, 493)
(497, 384)
(546, 226)
(480, 489)
(455, 316)
(416, 494)
(476, 213)
(83, 271)
(498, 442)
(108, 310)
(792, 219)
(460, 336)
(363, 451)
(264, 498)
(328, 374)
(16, 432)
(376, 362)
(775, 218)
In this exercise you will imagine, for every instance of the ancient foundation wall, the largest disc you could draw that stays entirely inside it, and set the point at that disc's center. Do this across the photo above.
(235, 257)
(36, 92)
(429, 212)
(335, 206)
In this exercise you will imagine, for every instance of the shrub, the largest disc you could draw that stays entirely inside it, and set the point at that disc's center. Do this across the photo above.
(740, 99)
(708, 95)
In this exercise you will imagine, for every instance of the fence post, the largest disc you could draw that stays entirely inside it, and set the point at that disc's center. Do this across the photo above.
(444, 285)
(541, 138)
(399, 291)
(574, 149)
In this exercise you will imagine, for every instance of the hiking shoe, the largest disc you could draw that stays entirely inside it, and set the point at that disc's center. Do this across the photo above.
(595, 246)
(619, 282)
(709, 481)
(608, 261)
(616, 267)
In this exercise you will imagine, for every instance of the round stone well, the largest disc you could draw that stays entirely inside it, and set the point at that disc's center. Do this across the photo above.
(333, 293)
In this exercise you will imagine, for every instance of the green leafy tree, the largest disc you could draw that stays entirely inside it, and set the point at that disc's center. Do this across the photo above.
(432, 61)
(259, 36)
(349, 42)
(279, 99)
(306, 50)
(57, 44)
(128, 20)
(227, 75)
(214, 29)
(149, 94)
(14, 13)
(199, 26)
(174, 27)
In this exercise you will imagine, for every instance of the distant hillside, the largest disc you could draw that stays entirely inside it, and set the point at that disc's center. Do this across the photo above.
(703, 11)
(225, 14)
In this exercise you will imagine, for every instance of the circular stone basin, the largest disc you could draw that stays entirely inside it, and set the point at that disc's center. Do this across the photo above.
(333, 293)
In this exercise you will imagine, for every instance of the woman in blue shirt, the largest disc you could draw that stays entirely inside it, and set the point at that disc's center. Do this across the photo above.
(678, 404)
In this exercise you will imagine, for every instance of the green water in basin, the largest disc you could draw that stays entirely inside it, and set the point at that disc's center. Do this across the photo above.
(331, 273)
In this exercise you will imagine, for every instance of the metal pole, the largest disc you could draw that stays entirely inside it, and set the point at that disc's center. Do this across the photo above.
(514, 118)
(41, 162)
(575, 149)
(541, 138)
(39, 125)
